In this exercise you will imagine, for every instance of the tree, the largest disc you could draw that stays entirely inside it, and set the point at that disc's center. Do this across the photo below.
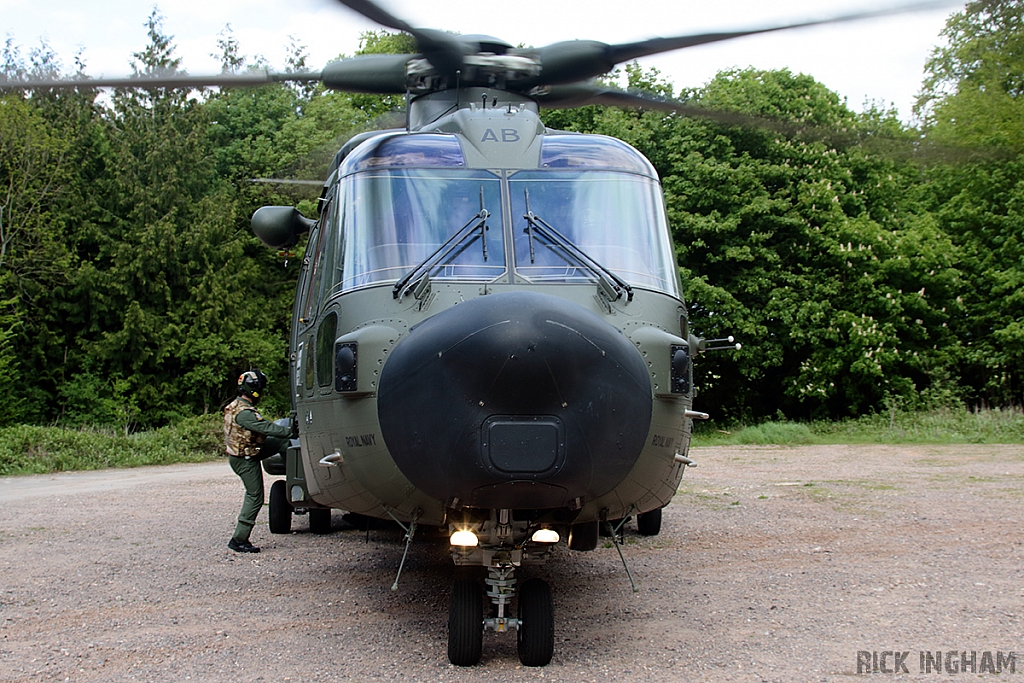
(45, 139)
(174, 295)
(973, 99)
(973, 92)
(808, 248)
(32, 173)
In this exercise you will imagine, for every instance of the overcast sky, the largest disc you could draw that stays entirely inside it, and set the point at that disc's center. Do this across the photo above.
(880, 60)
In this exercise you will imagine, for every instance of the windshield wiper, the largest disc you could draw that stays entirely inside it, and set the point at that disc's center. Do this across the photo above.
(477, 222)
(610, 283)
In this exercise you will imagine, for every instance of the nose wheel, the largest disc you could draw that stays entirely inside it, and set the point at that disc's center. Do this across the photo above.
(536, 640)
(534, 623)
(465, 623)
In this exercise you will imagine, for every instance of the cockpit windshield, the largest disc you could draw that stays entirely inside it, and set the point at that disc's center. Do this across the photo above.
(614, 218)
(395, 219)
(408, 208)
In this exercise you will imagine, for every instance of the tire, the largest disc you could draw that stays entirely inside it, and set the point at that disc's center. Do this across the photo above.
(649, 523)
(274, 465)
(536, 636)
(320, 520)
(465, 623)
(583, 536)
(280, 509)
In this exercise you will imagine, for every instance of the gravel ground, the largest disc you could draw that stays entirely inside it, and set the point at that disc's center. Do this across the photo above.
(774, 564)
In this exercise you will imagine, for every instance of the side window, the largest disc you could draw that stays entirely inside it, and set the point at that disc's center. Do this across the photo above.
(316, 255)
(307, 364)
(333, 222)
(305, 289)
(324, 346)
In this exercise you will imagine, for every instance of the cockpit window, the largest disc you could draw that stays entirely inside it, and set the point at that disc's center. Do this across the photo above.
(408, 208)
(395, 219)
(617, 219)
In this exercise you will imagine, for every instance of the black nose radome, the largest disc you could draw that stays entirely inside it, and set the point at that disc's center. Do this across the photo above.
(517, 400)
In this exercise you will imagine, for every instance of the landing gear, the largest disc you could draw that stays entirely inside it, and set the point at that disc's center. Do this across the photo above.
(583, 536)
(320, 520)
(465, 623)
(280, 509)
(502, 544)
(535, 621)
(536, 642)
(649, 523)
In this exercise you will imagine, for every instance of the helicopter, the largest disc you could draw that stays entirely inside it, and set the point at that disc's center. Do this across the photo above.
(488, 335)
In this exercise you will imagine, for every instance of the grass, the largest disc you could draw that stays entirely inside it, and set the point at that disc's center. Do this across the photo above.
(27, 449)
(947, 426)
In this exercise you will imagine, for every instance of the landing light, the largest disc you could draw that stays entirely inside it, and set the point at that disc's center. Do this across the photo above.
(545, 536)
(464, 538)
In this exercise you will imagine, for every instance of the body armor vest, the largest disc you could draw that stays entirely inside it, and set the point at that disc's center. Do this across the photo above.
(239, 441)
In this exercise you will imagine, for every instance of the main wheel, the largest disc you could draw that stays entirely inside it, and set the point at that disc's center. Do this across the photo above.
(649, 523)
(280, 508)
(583, 536)
(465, 623)
(320, 520)
(536, 640)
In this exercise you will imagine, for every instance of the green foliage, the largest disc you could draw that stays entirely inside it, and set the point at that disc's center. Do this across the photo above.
(950, 425)
(947, 425)
(91, 399)
(47, 150)
(808, 251)
(781, 433)
(819, 244)
(973, 100)
(9, 375)
(29, 449)
(804, 239)
(33, 171)
(173, 296)
(973, 93)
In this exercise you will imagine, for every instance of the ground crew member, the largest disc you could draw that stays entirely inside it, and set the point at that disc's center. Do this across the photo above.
(248, 439)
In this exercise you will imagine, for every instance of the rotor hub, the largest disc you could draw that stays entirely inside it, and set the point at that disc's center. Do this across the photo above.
(485, 69)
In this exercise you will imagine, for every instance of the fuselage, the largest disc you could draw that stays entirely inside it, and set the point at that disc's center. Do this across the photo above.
(487, 319)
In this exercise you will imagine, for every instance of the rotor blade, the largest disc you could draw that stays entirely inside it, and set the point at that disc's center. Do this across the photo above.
(375, 12)
(443, 50)
(569, 61)
(578, 95)
(906, 149)
(379, 74)
(252, 78)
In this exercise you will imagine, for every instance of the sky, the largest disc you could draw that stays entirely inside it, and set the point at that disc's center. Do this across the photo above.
(876, 60)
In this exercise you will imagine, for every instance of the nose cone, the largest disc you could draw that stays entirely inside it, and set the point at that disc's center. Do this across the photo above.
(518, 400)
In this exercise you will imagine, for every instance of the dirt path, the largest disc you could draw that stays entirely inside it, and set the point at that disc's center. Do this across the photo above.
(64, 484)
(774, 564)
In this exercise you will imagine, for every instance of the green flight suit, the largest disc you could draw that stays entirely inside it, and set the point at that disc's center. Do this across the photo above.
(250, 471)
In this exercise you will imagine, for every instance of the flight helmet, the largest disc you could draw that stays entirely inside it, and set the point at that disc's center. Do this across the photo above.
(251, 384)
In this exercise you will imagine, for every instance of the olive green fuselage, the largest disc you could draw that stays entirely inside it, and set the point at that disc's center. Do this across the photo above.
(366, 477)
(486, 205)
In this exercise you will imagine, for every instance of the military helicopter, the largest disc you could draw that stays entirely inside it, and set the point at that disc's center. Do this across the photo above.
(488, 334)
